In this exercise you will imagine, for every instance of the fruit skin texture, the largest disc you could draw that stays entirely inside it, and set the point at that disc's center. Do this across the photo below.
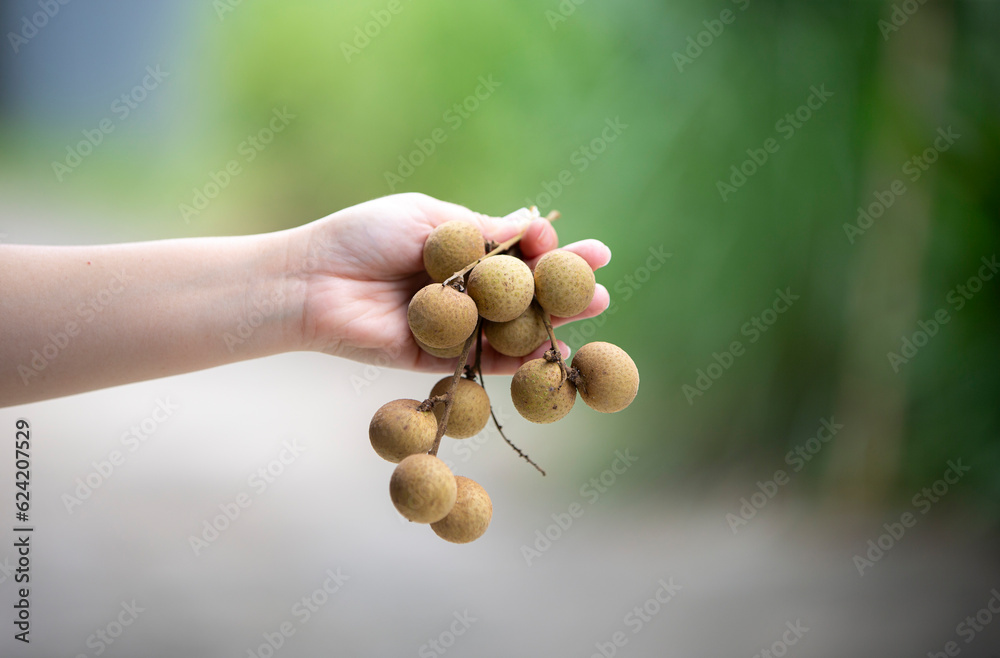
(423, 488)
(502, 287)
(450, 247)
(441, 352)
(398, 430)
(470, 517)
(469, 412)
(609, 378)
(519, 337)
(440, 316)
(536, 392)
(564, 283)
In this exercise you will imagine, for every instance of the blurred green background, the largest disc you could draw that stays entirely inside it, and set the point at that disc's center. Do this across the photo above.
(362, 104)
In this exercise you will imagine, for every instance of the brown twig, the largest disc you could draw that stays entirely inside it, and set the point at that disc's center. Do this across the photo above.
(553, 355)
(523, 455)
(450, 395)
(500, 248)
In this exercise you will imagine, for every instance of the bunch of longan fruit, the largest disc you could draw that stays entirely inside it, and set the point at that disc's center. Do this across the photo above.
(484, 289)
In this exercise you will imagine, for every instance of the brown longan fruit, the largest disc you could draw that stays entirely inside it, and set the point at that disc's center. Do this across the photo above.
(398, 429)
(538, 392)
(609, 379)
(471, 515)
(564, 283)
(423, 488)
(502, 287)
(519, 337)
(450, 247)
(440, 316)
(470, 410)
(441, 352)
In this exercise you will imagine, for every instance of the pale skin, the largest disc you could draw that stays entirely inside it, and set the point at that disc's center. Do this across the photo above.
(100, 316)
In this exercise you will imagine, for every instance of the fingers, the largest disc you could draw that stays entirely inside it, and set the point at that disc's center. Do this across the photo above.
(596, 253)
(538, 239)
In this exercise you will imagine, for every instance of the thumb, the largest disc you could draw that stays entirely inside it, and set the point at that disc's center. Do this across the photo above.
(499, 229)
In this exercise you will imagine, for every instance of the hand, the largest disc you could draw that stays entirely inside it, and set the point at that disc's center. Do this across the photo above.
(362, 265)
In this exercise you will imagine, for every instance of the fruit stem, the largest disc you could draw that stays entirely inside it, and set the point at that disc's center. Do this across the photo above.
(554, 355)
(500, 248)
(482, 381)
(450, 395)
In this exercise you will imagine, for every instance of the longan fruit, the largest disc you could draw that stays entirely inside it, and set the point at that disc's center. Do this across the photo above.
(471, 515)
(564, 283)
(441, 352)
(398, 430)
(470, 410)
(440, 316)
(502, 287)
(538, 392)
(423, 488)
(450, 247)
(519, 337)
(609, 379)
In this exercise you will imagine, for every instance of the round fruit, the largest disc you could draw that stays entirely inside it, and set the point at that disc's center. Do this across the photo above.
(399, 430)
(609, 379)
(519, 337)
(450, 247)
(564, 283)
(538, 392)
(423, 488)
(470, 410)
(502, 287)
(440, 316)
(471, 515)
(441, 352)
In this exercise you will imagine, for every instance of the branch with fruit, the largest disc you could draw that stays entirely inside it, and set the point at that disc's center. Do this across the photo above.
(486, 290)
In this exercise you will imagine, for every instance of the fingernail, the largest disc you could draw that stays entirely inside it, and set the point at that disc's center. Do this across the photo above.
(519, 216)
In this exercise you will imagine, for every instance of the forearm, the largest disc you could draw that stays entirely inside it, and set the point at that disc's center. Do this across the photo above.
(74, 319)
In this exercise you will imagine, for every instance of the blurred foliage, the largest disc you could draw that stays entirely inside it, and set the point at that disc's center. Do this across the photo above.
(654, 187)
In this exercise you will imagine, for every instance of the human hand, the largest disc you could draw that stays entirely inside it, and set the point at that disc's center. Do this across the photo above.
(362, 265)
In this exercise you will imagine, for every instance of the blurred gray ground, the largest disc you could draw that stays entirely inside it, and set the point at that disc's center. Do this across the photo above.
(327, 511)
